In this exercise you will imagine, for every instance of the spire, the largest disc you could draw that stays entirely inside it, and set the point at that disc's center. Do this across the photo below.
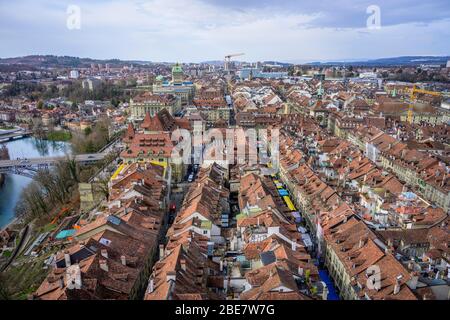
(147, 120)
(153, 124)
(130, 131)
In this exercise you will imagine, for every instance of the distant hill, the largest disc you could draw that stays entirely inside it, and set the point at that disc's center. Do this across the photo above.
(34, 62)
(50, 61)
(278, 63)
(388, 62)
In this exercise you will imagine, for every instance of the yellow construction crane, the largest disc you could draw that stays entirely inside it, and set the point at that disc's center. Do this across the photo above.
(412, 98)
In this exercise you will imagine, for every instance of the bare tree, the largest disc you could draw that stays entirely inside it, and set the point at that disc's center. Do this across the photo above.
(4, 291)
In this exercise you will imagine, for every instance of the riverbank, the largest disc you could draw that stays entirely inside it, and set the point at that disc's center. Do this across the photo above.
(14, 224)
(14, 184)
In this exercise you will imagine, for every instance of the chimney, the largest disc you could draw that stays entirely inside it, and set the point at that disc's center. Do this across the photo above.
(221, 265)
(67, 260)
(61, 282)
(151, 286)
(293, 245)
(300, 271)
(104, 265)
(171, 276)
(361, 243)
(183, 264)
(397, 284)
(412, 283)
(123, 259)
(161, 251)
(104, 253)
(396, 287)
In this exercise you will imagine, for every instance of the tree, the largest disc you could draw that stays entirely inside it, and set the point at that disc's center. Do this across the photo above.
(4, 153)
(40, 105)
(38, 128)
(87, 131)
(4, 291)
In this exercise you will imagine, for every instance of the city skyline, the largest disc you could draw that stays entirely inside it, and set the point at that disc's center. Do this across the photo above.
(287, 31)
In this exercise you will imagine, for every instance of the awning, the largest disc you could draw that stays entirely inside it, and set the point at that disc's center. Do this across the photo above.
(289, 203)
(65, 234)
(307, 240)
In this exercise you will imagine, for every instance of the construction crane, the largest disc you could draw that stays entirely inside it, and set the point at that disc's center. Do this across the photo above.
(412, 98)
(228, 59)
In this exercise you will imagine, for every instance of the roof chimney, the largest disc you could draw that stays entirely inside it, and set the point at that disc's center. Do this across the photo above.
(412, 283)
(361, 243)
(171, 276)
(104, 265)
(397, 287)
(67, 260)
(104, 253)
(293, 245)
(397, 284)
(183, 264)
(123, 259)
(151, 286)
(300, 271)
(161, 251)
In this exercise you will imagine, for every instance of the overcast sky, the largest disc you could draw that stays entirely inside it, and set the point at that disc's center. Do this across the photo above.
(200, 30)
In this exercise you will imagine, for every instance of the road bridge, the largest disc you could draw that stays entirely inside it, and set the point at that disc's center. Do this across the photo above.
(28, 167)
(14, 135)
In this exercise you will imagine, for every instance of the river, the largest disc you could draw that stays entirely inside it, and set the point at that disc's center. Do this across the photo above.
(14, 184)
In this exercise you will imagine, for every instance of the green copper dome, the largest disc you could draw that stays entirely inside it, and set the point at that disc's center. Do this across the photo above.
(177, 68)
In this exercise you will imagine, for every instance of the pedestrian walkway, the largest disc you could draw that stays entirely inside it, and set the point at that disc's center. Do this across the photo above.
(332, 294)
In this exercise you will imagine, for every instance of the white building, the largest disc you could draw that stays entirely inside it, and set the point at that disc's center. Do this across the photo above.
(74, 74)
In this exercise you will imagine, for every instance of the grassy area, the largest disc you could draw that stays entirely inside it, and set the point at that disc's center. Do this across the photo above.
(25, 277)
(6, 127)
(7, 254)
(49, 228)
(59, 136)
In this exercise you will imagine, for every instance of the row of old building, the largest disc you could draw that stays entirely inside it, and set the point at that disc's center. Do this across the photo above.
(341, 191)
(111, 250)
